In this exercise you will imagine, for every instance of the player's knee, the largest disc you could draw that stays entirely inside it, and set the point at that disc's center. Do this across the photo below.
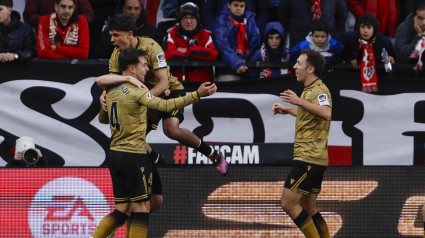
(156, 203)
(171, 132)
(285, 203)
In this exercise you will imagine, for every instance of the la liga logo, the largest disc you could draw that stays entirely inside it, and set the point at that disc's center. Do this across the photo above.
(67, 207)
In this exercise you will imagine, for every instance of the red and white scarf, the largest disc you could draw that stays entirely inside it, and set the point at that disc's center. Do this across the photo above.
(316, 9)
(417, 53)
(242, 48)
(368, 74)
(71, 37)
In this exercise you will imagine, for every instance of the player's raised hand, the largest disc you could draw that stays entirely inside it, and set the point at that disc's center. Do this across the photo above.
(290, 96)
(207, 89)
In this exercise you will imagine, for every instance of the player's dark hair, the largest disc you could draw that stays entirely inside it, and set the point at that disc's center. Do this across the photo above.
(319, 26)
(314, 59)
(7, 3)
(122, 22)
(130, 56)
(419, 7)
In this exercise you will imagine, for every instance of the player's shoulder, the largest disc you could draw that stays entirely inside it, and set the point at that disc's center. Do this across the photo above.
(146, 43)
(321, 87)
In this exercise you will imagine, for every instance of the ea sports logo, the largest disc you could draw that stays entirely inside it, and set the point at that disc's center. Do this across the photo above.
(66, 207)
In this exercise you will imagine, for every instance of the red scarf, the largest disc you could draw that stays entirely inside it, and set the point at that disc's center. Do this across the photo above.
(417, 53)
(316, 9)
(71, 37)
(368, 68)
(242, 48)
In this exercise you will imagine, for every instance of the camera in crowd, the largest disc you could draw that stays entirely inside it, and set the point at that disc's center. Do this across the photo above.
(27, 147)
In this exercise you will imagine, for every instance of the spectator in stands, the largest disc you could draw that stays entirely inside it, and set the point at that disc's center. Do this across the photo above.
(321, 41)
(363, 48)
(102, 10)
(214, 8)
(63, 34)
(188, 40)
(35, 9)
(17, 39)
(410, 38)
(297, 17)
(134, 8)
(272, 50)
(239, 38)
(170, 10)
(386, 12)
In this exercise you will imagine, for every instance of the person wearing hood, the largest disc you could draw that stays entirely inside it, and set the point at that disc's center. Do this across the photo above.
(363, 49)
(63, 34)
(321, 41)
(239, 38)
(134, 8)
(188, 40)
(17, 39)
(272, 50)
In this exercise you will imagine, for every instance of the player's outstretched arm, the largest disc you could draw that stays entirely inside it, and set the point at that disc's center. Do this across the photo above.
(278, 108)
(110, 79)
(207, 89)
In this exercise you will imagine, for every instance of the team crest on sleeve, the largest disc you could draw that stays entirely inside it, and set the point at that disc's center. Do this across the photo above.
(161, 60)
(323, 99)
(149, 95)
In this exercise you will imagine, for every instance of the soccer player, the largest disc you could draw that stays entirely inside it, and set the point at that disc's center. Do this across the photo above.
(129, 164)
(313, 119)
(160, 82)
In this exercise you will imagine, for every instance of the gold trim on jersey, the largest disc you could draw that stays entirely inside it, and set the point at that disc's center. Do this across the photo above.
(139, 197)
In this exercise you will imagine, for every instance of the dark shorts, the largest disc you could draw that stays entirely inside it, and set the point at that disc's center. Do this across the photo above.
(155, 116)
(156, 183)
(305, 177)
(131, 176)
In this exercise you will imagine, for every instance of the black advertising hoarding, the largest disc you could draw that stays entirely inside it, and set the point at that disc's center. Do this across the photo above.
(56, 102)
(366, 201)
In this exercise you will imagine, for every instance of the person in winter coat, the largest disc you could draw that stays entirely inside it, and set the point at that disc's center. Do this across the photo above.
(297, 17)
(321, 41)
(272, 50)
(17, 39)
(410, 38)
(236, 37)
(135, 8)
(213, 8)
(386, 12)
(63, 34)
(363, 49)
(188, 40)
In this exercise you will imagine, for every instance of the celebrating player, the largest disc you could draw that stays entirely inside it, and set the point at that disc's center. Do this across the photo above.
(313, 114)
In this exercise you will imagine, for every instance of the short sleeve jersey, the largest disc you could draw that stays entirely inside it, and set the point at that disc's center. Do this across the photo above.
(155, 59)
(127, 106)
(312, 132)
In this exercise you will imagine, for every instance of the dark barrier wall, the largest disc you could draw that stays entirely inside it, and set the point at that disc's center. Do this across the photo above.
(56, 102)
(367, 202)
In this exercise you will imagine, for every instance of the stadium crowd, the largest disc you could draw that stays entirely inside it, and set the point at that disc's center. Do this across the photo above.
(365, 34)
